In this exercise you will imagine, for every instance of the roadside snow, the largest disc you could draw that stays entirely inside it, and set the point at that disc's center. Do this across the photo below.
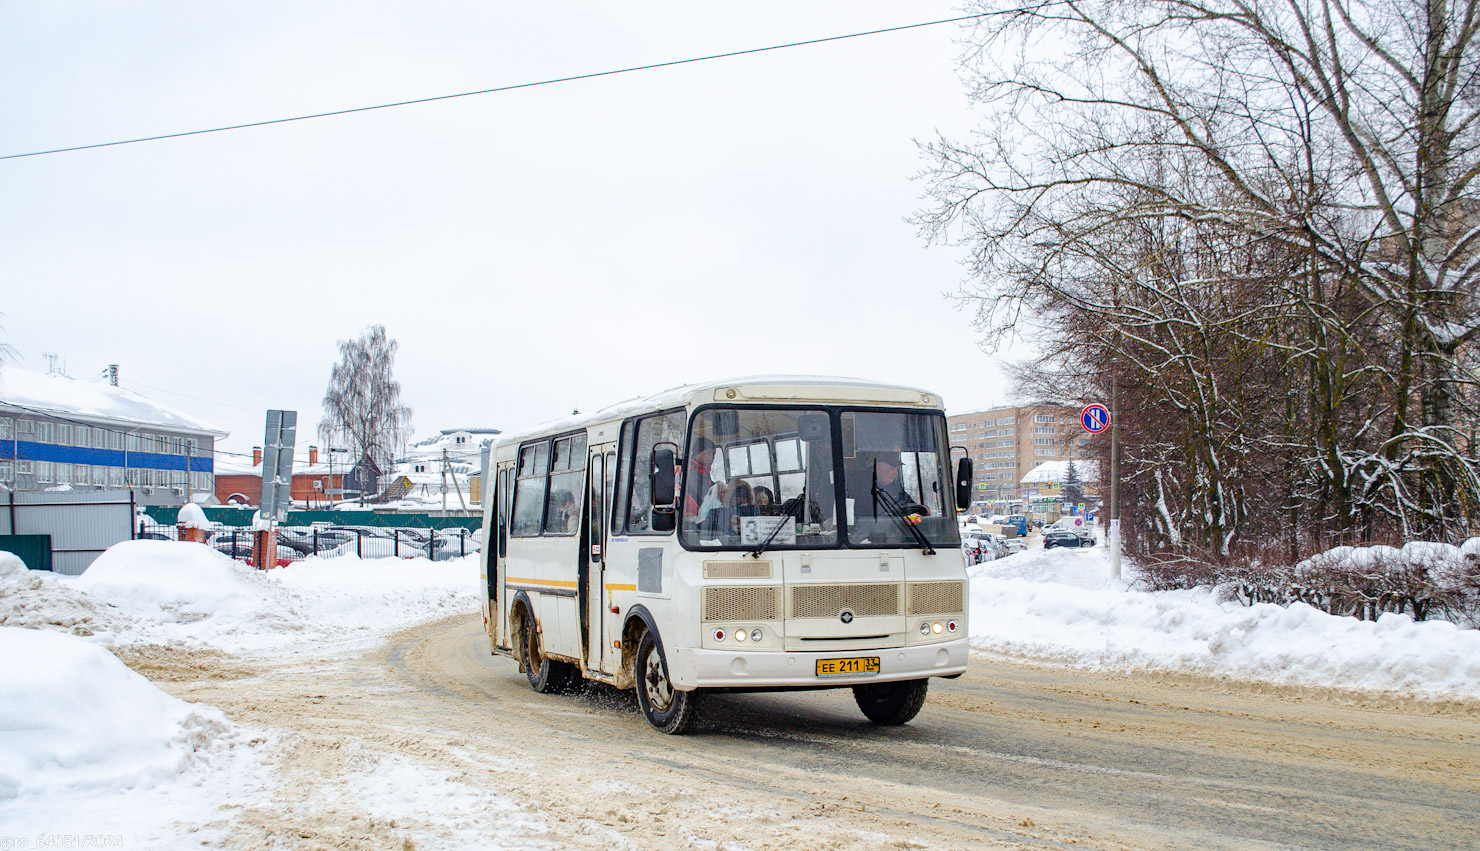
(171, 593)
(89, 744)
(1062, 606)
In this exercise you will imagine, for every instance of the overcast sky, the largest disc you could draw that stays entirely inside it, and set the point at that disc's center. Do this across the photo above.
(532, 252)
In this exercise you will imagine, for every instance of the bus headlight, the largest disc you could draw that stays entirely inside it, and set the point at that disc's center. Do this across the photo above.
(924, 628)
(756, 635)
(740, 635)
(935, 627)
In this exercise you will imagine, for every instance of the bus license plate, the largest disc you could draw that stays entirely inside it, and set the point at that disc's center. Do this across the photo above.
(847, 667)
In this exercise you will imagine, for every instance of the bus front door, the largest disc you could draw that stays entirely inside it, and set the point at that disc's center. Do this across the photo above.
(598, 508)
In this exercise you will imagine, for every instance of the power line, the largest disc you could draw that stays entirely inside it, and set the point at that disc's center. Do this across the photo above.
(184, 395)
(509, 88)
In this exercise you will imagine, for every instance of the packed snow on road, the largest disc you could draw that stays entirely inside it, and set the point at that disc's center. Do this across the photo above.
(90, 748)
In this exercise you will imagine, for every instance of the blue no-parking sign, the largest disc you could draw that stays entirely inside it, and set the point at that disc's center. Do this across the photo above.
(1095, 418)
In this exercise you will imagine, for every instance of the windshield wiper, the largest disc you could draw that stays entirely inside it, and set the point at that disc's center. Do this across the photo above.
(898, 514)
(787, 508)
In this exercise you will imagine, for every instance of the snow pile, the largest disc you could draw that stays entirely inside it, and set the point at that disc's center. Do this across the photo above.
(1061, 605)
(192, 517)
(39, 599)
(84, 739)
(141, 593)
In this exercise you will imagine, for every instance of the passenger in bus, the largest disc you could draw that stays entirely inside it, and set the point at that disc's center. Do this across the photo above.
(568, 512)
(765, 501)
(741, 504)
(700, 484)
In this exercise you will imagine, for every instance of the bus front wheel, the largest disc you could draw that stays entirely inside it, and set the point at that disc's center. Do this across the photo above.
(546, 675)
(666, 708)
(891, 703)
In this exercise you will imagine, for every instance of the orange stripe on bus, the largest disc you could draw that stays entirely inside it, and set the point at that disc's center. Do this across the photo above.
(621, 587)
(552, 583)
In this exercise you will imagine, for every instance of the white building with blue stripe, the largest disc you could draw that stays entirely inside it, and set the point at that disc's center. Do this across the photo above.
(58, 432)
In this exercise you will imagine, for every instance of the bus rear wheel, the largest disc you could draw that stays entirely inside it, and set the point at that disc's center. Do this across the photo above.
(669, 710)
(891, 703)
(545, 675)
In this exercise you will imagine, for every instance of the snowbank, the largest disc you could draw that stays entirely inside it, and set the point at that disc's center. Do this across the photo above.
(1061, 605)
(39, 599)
(85, 739)
(140, 593)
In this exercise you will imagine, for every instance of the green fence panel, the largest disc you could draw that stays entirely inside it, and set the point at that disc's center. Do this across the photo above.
(34, 550)
(168, 515)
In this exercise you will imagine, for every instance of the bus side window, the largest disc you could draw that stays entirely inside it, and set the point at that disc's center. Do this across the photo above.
(660, 428)
(623, 472)
(504, 485)
(529, 490)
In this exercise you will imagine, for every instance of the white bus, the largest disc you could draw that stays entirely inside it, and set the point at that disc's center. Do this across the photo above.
(747, 535)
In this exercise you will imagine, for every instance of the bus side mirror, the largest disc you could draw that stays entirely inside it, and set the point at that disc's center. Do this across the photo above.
(963, 484)
(660, 483)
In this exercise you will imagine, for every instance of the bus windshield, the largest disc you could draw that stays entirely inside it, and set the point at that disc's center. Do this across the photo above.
(896, 491)
(752, 472)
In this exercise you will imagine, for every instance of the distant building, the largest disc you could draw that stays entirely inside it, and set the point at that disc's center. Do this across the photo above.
(61, 432)
(1006, 443)
(316, 482)
(439, 467)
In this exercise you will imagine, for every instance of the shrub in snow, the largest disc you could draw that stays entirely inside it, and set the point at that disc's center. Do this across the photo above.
(1423, 579)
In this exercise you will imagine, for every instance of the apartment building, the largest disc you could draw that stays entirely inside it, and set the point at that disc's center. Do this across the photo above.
(1006, 443)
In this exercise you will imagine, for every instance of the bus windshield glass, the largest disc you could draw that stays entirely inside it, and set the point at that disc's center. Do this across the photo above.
(750, 471)
(896, 481)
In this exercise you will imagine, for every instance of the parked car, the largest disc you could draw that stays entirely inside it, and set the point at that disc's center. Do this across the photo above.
(1014, 545)
(982, 546)
(1067, 538)
(378, 547)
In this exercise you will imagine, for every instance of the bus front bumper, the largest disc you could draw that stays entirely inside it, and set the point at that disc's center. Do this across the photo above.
(691, 669)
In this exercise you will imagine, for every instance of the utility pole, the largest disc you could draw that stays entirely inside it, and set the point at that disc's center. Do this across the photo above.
(446, 471)
(1114, 472)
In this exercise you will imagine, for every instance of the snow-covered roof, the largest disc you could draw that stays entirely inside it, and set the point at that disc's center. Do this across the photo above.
(1057, 471)
(752, 388)
(61, 396)
(446, 435)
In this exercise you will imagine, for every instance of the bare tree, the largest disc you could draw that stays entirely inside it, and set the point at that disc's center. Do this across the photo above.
(1263, 217)
(362, 405)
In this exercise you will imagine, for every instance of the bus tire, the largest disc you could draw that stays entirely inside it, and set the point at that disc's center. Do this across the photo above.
(891, 704)
(667, 709)
(546, 675)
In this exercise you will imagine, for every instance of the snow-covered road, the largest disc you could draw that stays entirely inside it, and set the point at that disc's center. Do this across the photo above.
(90, 747)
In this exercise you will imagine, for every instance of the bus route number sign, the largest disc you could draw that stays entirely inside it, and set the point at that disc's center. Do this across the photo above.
(1095, 418)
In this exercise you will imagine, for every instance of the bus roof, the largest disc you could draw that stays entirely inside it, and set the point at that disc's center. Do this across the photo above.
(760, 389)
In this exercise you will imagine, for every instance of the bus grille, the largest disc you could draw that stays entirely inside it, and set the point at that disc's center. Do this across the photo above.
(742, 603)
(937, 598)
(742, 569)
(828, 601)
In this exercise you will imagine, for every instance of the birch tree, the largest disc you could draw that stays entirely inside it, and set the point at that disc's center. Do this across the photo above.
(362, 405)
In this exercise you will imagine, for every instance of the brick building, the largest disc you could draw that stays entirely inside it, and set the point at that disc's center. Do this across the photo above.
(241, 484)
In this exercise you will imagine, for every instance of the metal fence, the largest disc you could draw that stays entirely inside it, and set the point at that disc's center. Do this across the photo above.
(80, 524)
(296, 543)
